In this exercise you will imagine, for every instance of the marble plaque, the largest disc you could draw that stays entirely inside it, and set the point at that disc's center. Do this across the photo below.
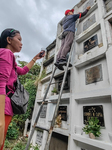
(39, 137)
(63, 111)
(89, 22)
(93, 111)
(43, 111)
(91, 43)
(94, 74)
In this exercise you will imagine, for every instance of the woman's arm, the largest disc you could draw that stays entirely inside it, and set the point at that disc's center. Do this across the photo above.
(25, 69)
(31, 63)
(2, 118)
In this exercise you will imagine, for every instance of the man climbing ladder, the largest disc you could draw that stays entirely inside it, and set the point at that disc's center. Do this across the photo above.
(67, 37)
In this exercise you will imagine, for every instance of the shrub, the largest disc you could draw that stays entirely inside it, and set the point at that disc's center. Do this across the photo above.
(12, 131)
(7, 144)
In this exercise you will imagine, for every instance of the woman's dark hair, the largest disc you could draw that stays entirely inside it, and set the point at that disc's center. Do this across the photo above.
(7, 33)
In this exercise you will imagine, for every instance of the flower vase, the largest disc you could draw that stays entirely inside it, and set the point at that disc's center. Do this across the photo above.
(92, 136)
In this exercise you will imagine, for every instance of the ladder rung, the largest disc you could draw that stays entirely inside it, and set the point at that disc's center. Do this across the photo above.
(50, 102)
(42, 128)
(58, 82)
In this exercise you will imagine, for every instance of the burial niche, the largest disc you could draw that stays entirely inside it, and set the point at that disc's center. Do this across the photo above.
(91, 43)
(94, 74)
(93, 111)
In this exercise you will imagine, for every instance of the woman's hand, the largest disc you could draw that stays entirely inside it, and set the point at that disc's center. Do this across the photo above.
(39, 56)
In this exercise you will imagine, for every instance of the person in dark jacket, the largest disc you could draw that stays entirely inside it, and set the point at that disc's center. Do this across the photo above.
(68, 24)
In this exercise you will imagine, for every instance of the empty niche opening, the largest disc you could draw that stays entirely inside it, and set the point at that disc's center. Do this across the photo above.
(58, 142)
(91, 43)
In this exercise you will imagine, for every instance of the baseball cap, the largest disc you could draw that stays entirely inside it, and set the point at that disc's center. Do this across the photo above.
(68, 10)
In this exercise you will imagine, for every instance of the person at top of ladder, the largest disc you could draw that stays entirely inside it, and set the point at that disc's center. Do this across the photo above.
(67, 37)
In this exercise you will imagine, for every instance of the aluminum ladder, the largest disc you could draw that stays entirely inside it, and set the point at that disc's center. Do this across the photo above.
(50, 130)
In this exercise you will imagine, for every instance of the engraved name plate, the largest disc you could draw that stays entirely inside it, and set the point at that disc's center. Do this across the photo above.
(63, 111)
(93, 111)
(43, 111)
(91, 43)
(39, 137)
(94, 74)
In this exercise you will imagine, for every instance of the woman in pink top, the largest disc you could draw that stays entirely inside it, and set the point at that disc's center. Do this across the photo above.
(10, 42)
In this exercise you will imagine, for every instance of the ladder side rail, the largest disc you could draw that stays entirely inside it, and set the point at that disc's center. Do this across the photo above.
(41, 106)
(59, 98)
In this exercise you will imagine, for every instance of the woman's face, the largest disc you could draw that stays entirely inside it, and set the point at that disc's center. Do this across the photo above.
(15, 43)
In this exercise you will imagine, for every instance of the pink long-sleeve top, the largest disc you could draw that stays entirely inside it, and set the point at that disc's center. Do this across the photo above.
(8, 75)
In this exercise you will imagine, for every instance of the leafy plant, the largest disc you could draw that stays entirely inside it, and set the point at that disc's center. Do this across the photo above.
(92, 127)
(7, 144)
(12, 131)
(32, 74)
(55, 90)
(19, 144)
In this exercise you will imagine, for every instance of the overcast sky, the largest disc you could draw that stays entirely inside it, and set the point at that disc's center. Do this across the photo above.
(35, 19)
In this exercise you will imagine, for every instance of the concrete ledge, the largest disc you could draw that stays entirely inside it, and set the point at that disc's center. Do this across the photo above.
(93, 142)
(90, 56)
(94, 94)
(65, 96)
(88, 32)
(61, 131)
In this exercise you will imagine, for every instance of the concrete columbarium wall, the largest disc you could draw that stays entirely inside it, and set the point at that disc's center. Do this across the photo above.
(90, 83)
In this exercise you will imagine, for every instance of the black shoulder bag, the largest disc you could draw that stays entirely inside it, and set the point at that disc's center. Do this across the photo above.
(19, 99)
